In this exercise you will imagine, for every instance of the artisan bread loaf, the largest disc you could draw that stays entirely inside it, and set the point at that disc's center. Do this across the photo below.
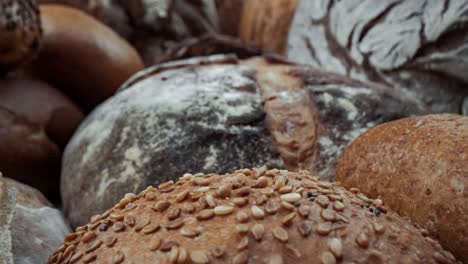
(30, 228)
(419, 166)
(216, 114)
(249, 216)
(417, 47)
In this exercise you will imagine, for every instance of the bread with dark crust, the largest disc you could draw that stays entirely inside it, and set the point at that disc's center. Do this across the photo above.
(419, 167)
(249, 216)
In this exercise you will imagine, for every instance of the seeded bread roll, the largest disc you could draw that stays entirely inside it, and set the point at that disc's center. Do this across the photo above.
(216, 114)
(20, 32)
(417, 47)
(30, 228)
(419, 166)
(88, 65)
(249, 216)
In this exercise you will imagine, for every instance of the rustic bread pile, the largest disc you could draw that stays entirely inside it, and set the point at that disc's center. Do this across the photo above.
(233, 131)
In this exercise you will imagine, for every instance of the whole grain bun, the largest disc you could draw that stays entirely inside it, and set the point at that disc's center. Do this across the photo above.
(420, 55)
(20, 32)
(249, 216)
(30, 227)
(419, 166)
(43, 105)
(82, 56)
(216, 114)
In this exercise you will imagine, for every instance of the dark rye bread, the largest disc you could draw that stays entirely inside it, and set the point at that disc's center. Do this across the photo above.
(30, 228)
(216, 114)
(417, 47)
(152, 26)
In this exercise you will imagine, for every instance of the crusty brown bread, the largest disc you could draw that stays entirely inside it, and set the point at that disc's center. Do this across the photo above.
(27, 154)
(216, 114)
(88, 65)
(152, 26)
(20, 32)
(41, 104)
(419, 167)
(30, 228)
(414, 46)
(249, 216)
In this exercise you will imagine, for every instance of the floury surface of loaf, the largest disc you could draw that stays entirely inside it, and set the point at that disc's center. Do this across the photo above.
(417, 46)
(30, 228)
(216, 114)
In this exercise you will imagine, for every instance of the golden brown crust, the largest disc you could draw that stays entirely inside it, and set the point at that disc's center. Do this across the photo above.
(20, 32)
(419, 166)
(267, 22)
(249, 216)
(89, 65)
(290, 113)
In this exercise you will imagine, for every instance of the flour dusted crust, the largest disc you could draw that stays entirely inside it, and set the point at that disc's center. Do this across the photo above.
(415, 46)
(20, 32)
(419, 166)
(249, 216)
(34, 228)
(201, 114)
(216, 114)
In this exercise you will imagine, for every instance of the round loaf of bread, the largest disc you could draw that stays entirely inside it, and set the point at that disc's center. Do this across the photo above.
(20, 32)
(403, 44)
(249, 216)
(419, 166)
(216, 114)
(82, 56)
(30, 228)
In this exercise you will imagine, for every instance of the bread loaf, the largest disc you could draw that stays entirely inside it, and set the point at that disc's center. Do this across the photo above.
(249, 216)
(152, 26)
(419, 166)
(216, 114)
(43, 105)
(30, 228)
(416, 47)
(83, 57)
(20, 32)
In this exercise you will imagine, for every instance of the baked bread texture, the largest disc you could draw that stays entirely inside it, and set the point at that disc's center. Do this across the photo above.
(249, 216)
(419, 167)
(216, 114)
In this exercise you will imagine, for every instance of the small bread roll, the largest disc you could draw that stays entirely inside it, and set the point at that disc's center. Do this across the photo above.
(20, 32)
(249, 216)
(41, 104)
(30, 228)
(27, 154)
(419, 166)
(82, 56)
